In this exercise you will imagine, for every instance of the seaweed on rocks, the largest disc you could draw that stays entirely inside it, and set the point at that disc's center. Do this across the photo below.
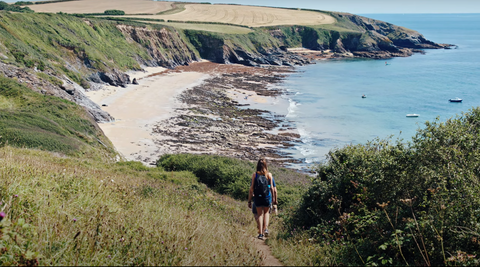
(213, 123)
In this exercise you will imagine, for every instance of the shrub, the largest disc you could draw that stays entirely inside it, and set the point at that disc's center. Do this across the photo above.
(401, 203)
(233, 176)
(225, 175)
(114, 12)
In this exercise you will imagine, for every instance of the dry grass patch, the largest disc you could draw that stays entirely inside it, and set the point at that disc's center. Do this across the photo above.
(99, 6)
(71, 211)
(251, 16)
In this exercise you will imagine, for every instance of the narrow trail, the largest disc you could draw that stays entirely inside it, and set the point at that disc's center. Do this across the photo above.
(268, 258)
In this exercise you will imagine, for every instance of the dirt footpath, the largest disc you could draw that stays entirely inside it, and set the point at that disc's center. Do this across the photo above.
(269, 259)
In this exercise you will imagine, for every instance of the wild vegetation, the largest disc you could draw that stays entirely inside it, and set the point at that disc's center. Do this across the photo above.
(394, 203)
(58, 210)
(232, 177)
(14, 7)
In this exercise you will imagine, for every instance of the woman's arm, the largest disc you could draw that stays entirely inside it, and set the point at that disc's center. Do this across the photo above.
(250, 192)
(273, 189)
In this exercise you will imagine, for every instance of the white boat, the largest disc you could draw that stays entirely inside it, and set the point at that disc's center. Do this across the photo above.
(412, 115)
(456, 99)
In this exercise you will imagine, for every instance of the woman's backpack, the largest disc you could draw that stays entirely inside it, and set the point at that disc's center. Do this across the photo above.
(260, 186)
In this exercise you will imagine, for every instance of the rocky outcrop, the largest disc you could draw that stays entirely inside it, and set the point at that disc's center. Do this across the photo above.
(68, 90)
(165, 46)
(114, 78)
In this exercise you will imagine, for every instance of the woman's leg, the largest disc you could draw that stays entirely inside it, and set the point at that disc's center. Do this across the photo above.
(266, 218)
(260, 220)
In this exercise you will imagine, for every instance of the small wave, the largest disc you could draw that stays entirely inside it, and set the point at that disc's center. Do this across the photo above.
(292, 108)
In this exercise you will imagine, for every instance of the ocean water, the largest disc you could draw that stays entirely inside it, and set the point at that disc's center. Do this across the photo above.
(325, 101)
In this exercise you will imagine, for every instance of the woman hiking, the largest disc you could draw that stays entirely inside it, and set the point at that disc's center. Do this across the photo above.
(261, 188)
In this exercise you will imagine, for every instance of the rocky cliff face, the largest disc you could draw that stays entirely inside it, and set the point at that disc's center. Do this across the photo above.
(165, 46)
(378, 39)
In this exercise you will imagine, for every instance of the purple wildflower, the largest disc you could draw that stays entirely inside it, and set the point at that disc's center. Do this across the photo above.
(15, 195)
(2, 215)
(186, 248)
(74, 220)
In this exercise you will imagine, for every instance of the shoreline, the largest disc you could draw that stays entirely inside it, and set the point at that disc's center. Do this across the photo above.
(207, 108)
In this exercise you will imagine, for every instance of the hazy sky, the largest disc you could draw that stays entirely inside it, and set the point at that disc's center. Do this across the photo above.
(369, 6)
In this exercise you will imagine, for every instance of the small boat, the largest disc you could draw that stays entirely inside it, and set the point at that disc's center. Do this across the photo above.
(364, 96)
(412, 115)
(456, 99)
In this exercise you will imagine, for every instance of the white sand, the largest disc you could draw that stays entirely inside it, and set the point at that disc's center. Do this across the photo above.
(138, 107)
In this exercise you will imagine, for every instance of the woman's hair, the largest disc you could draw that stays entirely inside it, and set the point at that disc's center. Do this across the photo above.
(262, 167)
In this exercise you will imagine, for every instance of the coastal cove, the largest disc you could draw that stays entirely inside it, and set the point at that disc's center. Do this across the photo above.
(325, 101)
(318, 107)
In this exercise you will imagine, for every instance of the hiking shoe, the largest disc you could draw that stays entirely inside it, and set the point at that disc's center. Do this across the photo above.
(260, 236)
(266, 232)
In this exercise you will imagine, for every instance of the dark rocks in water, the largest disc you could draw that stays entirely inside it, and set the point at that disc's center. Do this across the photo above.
(134, 81)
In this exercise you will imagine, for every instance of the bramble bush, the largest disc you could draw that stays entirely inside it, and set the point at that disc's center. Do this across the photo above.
(390, 202)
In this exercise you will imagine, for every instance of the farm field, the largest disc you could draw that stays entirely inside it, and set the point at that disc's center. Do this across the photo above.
(99, 6)
(251, 16)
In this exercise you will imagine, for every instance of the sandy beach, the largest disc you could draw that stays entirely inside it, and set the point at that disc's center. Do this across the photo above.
(201, 108)
(137, 107)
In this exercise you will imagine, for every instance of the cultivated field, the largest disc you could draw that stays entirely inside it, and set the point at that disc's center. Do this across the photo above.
(99, 6)
(252, 16)
(246, 15)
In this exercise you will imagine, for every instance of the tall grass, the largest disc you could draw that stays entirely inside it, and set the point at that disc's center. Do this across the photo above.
(75, 211)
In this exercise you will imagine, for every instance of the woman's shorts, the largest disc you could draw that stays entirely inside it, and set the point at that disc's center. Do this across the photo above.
(262, 202)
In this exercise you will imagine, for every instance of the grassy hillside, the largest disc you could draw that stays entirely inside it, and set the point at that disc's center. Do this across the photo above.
(33, 120)
(56, 42)
(77, 211)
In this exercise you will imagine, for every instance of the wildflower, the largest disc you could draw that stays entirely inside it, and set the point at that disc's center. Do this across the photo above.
(2, 215)
(113, 181)
(74, 220)
(15, 196)
(186, 248)
(109, 256)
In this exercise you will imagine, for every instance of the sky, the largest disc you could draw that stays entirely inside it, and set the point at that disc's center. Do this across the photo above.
(369, 6)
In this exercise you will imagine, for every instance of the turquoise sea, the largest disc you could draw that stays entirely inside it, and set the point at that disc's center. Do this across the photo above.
(325, 104)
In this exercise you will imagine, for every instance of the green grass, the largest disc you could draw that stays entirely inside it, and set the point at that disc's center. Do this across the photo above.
(32, 120)
(233, 176)
(76, 211)
(47, 40)
(227, 29)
